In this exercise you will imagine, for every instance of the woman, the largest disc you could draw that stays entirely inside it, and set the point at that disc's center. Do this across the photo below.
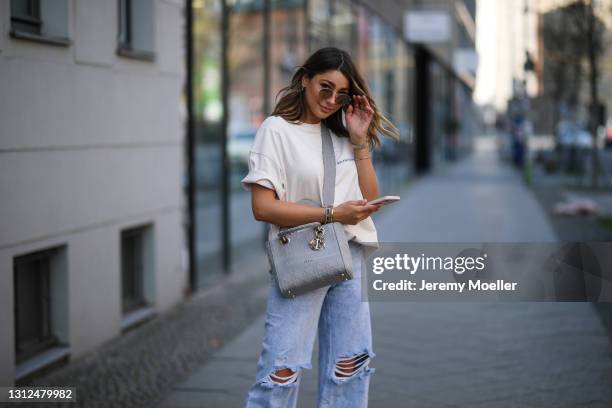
(286, 166)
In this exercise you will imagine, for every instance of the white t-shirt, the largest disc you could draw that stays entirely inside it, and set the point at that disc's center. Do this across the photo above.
(288, 158)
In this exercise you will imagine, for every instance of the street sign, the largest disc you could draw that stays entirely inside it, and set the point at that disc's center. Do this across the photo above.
(431, 26)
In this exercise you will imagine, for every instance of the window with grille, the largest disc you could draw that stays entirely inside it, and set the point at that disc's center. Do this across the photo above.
(133, 253)
(32, 285)
(25, 16)
(45, 21)
(136, 22)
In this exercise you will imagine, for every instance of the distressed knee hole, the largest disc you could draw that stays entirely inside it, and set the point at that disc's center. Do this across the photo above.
(283, 376)
(350, 366)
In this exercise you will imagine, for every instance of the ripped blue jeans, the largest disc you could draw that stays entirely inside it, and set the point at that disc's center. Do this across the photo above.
(342, 321)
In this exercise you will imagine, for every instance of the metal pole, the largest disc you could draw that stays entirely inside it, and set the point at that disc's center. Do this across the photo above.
(266, 84)
(226, 168)
(307, 36)
(266, 58)
(191, 175)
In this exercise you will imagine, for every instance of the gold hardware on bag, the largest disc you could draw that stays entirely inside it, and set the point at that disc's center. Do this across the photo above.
(317, 242)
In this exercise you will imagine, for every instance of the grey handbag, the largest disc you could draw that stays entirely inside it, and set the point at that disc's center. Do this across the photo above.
(312, 255)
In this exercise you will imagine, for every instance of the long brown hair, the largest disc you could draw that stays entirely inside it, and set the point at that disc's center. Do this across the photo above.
(292, 103)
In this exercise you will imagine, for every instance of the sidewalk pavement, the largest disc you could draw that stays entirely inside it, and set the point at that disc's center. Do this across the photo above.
(451, 354)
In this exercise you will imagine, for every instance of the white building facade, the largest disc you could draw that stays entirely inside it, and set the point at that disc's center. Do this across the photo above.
(92, 171)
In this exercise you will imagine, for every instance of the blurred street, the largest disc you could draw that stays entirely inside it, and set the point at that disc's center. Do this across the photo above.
(451, 355)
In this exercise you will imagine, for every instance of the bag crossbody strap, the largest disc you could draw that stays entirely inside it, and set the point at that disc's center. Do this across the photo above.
(329, 167)
(329, 176)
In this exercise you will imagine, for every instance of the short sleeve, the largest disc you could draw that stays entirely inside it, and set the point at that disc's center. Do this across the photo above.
(265, 166)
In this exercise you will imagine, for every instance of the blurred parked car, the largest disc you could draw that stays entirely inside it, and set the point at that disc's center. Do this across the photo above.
(238, 148)
(389, 151)
(608, 134)
(395, 150)
(573, 135)
(575, 146)
(207, 166)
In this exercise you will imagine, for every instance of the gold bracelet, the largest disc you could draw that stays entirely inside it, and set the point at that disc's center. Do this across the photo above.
(359, 146)
(362, 158)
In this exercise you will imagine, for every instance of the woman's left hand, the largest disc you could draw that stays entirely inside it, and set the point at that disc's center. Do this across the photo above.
(358, 117)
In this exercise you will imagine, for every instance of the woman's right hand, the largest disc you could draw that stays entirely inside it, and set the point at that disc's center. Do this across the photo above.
(354, 211)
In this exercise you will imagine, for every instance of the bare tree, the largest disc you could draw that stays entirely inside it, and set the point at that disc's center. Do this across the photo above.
(573, 35)
(563, 54)
(594, 32)
(591, 30)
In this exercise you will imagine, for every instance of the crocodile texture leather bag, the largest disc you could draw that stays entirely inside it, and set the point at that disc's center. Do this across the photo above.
(312, 255)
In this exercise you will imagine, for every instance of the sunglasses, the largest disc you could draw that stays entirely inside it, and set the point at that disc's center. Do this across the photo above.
(342, 98)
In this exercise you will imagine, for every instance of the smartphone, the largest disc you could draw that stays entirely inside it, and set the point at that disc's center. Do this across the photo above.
(385, 200)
